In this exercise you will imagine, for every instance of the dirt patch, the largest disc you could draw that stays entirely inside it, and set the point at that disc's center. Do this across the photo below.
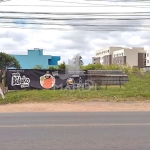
(76, 107)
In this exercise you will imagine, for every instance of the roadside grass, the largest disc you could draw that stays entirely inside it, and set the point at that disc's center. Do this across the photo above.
(137, 89)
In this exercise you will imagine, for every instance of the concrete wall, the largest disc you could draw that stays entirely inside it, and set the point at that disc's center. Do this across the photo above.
(131, 57)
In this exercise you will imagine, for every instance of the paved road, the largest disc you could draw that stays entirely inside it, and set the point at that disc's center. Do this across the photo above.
(75, 131)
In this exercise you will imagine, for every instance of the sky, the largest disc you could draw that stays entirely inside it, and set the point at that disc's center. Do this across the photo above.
(66, 35)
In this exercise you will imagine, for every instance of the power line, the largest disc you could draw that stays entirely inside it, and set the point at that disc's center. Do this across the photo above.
(125, 1)
(133, 26)
(85, 4)
(73, 24)
(81, 29)
(102, 5)
(131, 1)
(128, 20)
(68, 2)
(80, 13)
(82, 19)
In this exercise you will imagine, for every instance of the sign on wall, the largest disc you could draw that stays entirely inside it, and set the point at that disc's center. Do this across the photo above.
(42, 79)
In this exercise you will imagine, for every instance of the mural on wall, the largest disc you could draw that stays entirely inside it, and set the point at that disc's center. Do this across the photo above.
(47, 81)
(42, 79)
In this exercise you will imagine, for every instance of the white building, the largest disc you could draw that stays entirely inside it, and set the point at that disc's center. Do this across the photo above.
(104, 56)
(135, 57)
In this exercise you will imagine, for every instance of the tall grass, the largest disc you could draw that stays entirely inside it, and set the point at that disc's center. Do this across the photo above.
(137, 89)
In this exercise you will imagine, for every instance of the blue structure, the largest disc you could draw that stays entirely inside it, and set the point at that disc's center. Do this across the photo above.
(36, 57)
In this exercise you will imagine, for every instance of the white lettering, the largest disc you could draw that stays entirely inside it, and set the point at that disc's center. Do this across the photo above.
(18, 80)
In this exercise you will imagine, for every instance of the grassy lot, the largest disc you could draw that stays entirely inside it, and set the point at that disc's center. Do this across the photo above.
(137, 89)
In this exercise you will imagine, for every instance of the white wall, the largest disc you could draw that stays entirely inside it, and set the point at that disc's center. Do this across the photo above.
(119, 53)
(131, 57)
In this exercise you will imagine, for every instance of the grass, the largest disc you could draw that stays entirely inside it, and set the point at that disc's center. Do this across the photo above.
(137, 89)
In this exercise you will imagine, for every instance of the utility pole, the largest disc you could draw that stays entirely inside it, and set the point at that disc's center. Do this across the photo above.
(2, 94)
(3, 86)
(3, 80)
(3, 83)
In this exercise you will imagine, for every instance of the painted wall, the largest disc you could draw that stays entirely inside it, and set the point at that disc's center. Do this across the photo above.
(36, 57)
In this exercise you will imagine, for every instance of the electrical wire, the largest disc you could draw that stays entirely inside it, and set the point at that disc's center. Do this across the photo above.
(75, 19)
(84, 3)
(62, 1)
(107, 21)
(74, 24)
(80, 13)
(68, 2)
(102, 5)
(81, 29)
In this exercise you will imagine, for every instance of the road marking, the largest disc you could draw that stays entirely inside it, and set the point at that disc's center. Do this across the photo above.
(69, 125)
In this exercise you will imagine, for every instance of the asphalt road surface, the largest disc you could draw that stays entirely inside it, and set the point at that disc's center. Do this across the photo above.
(75, 131)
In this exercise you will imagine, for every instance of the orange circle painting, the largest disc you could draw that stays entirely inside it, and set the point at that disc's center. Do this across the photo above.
(47, 81)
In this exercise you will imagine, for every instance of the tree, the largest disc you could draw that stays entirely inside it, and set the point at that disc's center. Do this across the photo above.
(62, 66)
(80, 61)
(52, 68)
(93, 67)
(38, 67)
(8, 61)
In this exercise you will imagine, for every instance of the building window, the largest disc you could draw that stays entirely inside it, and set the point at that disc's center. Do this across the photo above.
(144, 56)
(144, 63)
(147, 61)
(147, 54)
